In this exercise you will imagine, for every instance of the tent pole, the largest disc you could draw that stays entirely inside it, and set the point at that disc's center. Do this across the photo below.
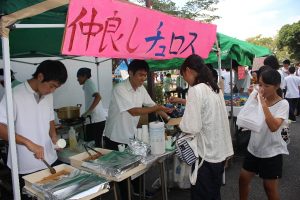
(10, 118)
(231, 101)
(219, 58)
(97, 66)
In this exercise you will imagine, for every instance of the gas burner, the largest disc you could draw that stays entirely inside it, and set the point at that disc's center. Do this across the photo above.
(72, 122)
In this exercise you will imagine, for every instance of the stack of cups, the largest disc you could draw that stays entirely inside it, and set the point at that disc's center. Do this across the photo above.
(145, 134)
(157, 138)
(139, 134)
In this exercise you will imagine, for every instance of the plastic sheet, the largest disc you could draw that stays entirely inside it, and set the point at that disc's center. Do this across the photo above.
(70, 185)
(114, 163)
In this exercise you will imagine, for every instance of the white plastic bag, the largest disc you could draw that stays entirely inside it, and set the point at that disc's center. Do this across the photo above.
(181, 173)
(251, 115)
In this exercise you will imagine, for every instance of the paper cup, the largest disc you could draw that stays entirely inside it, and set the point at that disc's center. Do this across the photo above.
(61, 143)
(121, 147)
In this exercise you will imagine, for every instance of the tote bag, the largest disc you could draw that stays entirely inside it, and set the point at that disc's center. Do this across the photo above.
(251, 115)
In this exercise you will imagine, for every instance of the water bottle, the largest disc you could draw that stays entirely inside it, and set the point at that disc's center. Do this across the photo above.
(72, 138)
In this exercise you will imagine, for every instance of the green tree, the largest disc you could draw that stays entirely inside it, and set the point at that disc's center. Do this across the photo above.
(270, 43)
(199, 10)
(289, 38)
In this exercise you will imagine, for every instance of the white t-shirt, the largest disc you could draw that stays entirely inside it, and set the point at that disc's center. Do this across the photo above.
(120, 124)
(2, 91)
(292, 84)
(206, 116)
(98, 114)
(268, 144)
(282, 79)
(32, 120)
(226, 76)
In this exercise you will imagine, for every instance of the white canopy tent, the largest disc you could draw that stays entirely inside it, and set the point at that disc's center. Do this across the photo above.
(5, 22)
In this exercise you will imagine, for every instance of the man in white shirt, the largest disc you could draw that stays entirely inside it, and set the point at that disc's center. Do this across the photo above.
(292, 85)
(34, 118)
(181, 86)
(227, 82)
(126, 107)
(93, 108)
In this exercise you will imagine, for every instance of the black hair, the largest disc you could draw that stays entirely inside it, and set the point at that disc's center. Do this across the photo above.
(292, 70)
(52, 70)
(84, 72)
(204, 74)
(213, 71)
(272, 61)
(287, 62)
(137, 65)
(271, 77)
(262, 69)
(12, 76)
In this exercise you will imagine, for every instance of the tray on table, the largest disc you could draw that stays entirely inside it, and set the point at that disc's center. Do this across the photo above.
(44, 176)
(77, 161)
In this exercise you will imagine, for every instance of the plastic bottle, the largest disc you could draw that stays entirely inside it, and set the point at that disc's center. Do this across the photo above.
(72, 138)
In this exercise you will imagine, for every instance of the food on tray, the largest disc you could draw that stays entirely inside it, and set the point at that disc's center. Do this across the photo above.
(93, 157)
(54, 177)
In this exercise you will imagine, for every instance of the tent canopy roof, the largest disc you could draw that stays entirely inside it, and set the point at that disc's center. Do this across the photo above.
(47, 41)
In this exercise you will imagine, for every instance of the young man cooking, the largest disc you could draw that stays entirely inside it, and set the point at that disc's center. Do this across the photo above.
(126, 107)
(34, 118)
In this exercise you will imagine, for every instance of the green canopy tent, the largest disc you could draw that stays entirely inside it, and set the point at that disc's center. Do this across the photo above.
(29, 42)
(231, 49)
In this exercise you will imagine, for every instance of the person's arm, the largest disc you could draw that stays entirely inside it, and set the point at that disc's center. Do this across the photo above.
(36, 149)
(272, 122)
(97, 99)
(146, 110)
(177, 100)
(52, 132)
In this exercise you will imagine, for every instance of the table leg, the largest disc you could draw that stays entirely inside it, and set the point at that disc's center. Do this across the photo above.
(163, 181)
(115, 190)
(129, 188)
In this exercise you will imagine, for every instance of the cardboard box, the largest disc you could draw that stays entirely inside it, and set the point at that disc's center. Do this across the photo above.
(77, 160)
(41, 175)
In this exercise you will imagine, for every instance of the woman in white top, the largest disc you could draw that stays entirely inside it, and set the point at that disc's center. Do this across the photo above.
(205, 117)
(265, 149)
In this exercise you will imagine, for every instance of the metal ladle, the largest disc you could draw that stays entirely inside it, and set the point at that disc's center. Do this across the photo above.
(52, 170)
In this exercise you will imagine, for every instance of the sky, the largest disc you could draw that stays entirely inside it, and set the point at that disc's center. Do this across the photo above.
(248, 18)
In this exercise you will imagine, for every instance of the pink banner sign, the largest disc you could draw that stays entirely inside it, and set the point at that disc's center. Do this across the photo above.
(115, 29)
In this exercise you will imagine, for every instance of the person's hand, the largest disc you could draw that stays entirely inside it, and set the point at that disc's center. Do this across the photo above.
(175, 100)
(85, 114)
(263, 100)
(37, 150)
(250, 89)
(164, 109)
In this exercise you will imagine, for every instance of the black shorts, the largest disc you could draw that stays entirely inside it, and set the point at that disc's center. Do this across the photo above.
(266, 168)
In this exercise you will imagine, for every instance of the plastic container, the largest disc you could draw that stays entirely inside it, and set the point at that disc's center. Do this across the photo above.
(72, 138)
(157, 138)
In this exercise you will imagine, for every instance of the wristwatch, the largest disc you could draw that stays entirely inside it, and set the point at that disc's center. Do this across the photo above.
(168, 118)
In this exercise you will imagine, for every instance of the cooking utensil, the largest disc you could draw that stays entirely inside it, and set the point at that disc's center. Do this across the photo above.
(88, 147)
(52, 170)
(68, 112)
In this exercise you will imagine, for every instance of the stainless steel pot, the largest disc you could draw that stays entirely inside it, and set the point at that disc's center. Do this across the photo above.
(68, 112)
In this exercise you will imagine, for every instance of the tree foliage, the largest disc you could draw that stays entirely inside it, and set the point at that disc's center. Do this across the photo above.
(289, 38)
(199, 10)
(270, 43)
